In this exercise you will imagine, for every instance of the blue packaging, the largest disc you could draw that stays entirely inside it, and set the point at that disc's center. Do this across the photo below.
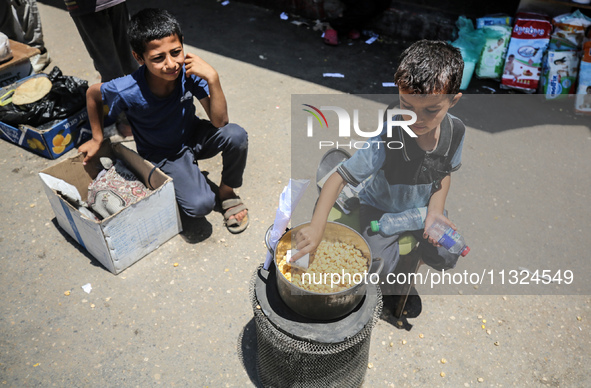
(494, 20)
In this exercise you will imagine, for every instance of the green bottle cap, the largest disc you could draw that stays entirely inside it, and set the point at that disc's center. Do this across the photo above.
(375, 226)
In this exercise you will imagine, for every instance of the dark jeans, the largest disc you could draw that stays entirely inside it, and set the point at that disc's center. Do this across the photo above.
(104, 34)
(387, 248)
(193, 193)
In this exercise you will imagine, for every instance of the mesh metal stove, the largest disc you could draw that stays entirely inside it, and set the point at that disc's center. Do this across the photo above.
(294, 351)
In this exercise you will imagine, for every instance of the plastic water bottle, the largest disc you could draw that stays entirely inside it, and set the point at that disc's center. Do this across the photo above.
(396, 223)
(448, 238)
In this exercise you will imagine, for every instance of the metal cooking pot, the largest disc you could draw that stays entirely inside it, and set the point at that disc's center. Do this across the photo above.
(315, 305)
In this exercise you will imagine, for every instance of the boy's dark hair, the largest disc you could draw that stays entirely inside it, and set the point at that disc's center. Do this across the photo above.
(429, 67)
(150, 24)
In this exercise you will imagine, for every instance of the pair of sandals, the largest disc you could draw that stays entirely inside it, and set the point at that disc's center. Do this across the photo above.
(231, 207)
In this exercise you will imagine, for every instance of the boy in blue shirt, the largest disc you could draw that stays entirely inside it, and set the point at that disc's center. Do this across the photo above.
(414, 176)
(158, 102)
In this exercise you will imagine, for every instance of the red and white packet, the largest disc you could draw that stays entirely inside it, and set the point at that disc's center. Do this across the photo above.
(523, 64)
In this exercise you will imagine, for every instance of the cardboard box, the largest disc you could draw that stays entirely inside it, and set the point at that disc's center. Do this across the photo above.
(19, 66)
(125, 237)
(15, 73)
(48, 141)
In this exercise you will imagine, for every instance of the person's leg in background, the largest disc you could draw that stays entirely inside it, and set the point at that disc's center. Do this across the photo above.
(21, 22)
(104, 34)
(96, 31)
(119, 16)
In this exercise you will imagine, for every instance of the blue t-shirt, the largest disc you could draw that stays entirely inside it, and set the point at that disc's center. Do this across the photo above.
(395, 180)
(161, 126)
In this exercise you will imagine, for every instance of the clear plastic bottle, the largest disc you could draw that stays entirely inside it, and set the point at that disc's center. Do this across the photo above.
(448, 238)
(396, 223)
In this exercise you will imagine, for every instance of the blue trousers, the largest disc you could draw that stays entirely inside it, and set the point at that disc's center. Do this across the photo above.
(193, 193)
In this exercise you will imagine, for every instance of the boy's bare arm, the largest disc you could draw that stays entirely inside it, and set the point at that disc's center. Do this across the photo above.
(94, 106)
(215, 106)
(436, 208)
(309, 237)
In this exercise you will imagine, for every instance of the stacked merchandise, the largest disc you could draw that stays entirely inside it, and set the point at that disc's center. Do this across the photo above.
(497, 30)
(562, 60)
(529, 42)
(583, 100)
(470, 42)
(534, 55)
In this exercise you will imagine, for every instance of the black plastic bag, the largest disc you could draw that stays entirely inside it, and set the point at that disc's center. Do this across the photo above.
(66, 97)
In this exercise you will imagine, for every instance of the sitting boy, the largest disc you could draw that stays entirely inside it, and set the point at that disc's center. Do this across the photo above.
(158, 102)
(418, 174)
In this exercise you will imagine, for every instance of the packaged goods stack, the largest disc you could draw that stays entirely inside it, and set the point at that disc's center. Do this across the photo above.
(497, 29)
(534, 53)
(529, 41)
(562, 60)
(583, 99)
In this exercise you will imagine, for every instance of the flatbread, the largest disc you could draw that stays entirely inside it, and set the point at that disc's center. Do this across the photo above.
(31, 91)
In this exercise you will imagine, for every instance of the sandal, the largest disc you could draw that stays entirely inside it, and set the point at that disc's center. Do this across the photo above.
(331, 37)
(231, 207)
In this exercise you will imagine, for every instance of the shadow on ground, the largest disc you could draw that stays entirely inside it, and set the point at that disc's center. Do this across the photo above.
(75, 244)
(260, 37)
(247, 351)
(195, 230)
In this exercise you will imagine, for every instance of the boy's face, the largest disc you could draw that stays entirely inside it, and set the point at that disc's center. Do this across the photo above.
(163, 58)
(430, 109)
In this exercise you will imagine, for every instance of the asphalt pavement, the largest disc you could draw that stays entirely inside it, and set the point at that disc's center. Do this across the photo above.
(520, 199)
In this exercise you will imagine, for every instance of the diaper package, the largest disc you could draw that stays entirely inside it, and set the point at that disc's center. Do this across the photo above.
(583, 99)
(560, 74)
(523, 64)
(569, 31)
(492, 58)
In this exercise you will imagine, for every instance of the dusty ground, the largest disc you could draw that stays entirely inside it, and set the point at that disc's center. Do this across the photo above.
(521, 200)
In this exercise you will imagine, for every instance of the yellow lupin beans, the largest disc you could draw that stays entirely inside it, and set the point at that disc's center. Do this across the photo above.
(330, 258)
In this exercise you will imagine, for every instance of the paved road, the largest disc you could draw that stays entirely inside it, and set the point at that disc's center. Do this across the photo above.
(521, 199)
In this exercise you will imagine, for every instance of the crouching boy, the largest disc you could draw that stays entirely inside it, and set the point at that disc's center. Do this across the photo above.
(158, 102)
(414, 176)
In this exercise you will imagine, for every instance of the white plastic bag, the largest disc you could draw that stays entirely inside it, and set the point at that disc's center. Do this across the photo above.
(290, 197)
(5, 51)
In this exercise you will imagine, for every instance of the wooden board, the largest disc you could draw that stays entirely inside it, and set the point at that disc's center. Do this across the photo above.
(20, 53)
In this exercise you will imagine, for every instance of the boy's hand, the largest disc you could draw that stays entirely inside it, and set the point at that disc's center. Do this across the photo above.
(90, 148)
(307, 240)
(431, 217)
(194, 65)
